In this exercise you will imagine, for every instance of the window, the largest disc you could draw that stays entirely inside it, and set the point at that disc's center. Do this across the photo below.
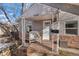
(47, 23)
(71, 27)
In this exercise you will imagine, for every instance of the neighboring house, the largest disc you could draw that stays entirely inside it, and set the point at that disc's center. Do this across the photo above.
(40, 17)
(1, 32)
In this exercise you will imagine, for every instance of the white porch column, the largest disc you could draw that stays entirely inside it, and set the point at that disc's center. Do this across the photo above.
(23, 32)
(55, 36)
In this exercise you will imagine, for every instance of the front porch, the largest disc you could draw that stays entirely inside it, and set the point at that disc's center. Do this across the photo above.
(37, 33)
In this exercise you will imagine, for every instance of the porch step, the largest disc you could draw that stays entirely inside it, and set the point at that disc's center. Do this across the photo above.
(47, 43)
(39, 47)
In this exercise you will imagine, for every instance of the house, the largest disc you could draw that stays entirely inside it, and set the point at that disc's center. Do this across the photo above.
(54, 25)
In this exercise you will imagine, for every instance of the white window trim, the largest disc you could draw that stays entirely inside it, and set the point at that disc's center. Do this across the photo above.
(75, 28)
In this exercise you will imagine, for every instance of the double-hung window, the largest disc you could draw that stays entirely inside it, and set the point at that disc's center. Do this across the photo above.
(71, 27)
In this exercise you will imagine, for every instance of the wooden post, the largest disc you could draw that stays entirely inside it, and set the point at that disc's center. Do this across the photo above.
(58, 34)
(22, 51)
(23, 32)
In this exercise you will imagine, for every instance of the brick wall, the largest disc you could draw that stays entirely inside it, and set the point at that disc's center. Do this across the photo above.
(72, 41)
(66, 41)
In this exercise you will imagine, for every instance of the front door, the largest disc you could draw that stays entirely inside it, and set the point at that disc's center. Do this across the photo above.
(46, 30)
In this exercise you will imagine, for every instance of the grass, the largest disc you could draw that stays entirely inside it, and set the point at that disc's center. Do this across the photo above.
(66, 53)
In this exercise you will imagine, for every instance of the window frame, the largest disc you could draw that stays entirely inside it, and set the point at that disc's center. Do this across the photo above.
(70, 28)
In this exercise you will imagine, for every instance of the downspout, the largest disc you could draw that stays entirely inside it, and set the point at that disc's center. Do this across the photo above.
(23, 32)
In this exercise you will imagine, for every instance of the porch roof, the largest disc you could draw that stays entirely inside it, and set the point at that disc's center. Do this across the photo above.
(67, 7)
(40, 17)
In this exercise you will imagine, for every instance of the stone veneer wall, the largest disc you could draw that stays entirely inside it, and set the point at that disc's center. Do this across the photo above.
(72, 41)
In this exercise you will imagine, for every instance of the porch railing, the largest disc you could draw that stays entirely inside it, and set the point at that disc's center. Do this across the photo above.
(34, 36)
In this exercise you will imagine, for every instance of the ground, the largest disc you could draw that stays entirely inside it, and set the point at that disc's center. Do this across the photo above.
(40, 49)
(68, 52)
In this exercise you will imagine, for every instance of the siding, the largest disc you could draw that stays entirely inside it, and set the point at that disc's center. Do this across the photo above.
(37, 25)
(63, 17)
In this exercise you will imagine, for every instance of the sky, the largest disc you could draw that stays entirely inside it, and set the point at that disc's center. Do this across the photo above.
(13, 10)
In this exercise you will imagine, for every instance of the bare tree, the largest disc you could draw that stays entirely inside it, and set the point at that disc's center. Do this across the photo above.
(22, 8)
(6, 15)
(13, 33)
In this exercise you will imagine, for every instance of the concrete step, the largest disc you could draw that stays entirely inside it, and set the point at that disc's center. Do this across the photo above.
(39, 47)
